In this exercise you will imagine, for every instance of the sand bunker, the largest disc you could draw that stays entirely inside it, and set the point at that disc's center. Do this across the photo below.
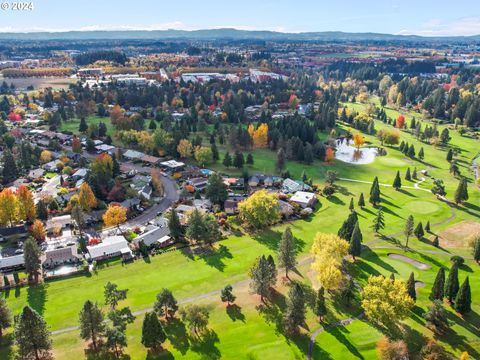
(416, 263)
(419, 284)
(346, 152)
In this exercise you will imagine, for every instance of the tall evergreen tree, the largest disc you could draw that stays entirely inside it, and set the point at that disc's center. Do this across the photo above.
(378, 221)
(375, 192)
(361, 201)
(287, 251)
(346, 230)
(351, 207)
(250, 159)
(476, 249)
(411, 287)
(153, 335)
(463, 301)
(174, 225)
(41, 209)
(414, 174)
(226, 295)
(295, 312)
(421, 153)
(397, 182)
(408, 176)
(165, 304)
(461, 194)
(216, 190)
(355, 247)
(238, 160)
(419, 233)
(452, 285)
(32, 336)
(427, 226)
(10, 170)
(31, 255)
(408, 229)
(320, 308)
(411, 151)
(263, 278)
(227, 160)
(281, 160)
(83, 127)
(449, 155)
(92, 325)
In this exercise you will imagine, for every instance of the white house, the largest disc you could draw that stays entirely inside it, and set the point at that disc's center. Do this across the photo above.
(304, 199)
(110, 247)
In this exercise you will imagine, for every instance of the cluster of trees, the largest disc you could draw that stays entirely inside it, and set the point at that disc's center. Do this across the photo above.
(16, 206)
(105, 55)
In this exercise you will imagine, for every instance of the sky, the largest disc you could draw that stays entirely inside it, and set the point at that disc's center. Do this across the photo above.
(419, 17)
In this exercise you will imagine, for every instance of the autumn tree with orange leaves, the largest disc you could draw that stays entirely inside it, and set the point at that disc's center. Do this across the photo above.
(38, 231)
(358, 140)
(26, 205)
(116, 114)
(329, 155)
(400, 121)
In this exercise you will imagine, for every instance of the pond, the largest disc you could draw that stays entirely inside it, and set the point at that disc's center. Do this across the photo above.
(346, 152)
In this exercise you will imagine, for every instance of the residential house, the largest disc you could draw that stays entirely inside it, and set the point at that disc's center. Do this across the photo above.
(60, 255)
(172, 165)
(51, 166)
(11, 262)
(198, 183)
(133, 155)
(253, 181)
(304, 199)
(292, 186)
(111, 246)
(158, 234)
(36, 173)
(286, 209)
(62, 222)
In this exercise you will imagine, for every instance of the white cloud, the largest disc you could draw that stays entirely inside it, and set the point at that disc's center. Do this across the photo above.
(435, 27)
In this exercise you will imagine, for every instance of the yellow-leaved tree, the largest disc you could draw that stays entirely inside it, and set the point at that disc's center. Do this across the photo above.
(259, 210)
(86, 197)
(328, 251)
(386, 301)
(45, 156)
(38, 231)
(185, 148)
(8, 207)
(115, 215)
(260, 136)
(358, 140)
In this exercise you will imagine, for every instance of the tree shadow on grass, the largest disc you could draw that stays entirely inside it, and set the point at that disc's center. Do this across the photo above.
(272, 310)
(104, 354)
(417, 315)
(161, 354)
(205, 344)
(268, 237)
(343, 190)
(405, 192)
(177, 335)
(367, 210)
(234, 312)
(338, 332)
(215, 259)
(373, 257)
(335, 200)
(37, 297)
(388, 211)
(414, 339)
(388, 203)
(186, 251)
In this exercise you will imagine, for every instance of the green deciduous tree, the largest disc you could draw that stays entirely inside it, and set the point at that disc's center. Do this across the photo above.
(226, 295)
(113, 295)
(216, 190)
(196, 316)
(5, 316)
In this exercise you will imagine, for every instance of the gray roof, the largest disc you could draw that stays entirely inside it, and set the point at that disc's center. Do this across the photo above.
(11, 261)
(152, 236)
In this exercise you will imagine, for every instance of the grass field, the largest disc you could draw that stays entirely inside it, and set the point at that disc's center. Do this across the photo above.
(73, 124)
(253, 332)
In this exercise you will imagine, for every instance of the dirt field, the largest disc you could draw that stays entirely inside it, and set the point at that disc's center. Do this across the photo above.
(459, 235)
(39, 83)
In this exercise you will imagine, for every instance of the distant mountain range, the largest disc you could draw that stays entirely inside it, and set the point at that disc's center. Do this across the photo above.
(228, 34)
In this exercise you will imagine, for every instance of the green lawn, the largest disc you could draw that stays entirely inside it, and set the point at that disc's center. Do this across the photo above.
(73, 124)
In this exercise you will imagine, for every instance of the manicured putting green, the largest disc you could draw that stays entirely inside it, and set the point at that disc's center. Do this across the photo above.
(422, 207)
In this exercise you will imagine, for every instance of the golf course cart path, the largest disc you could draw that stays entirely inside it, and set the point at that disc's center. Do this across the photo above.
(418, 264)
(414, 187)
(314, 335)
